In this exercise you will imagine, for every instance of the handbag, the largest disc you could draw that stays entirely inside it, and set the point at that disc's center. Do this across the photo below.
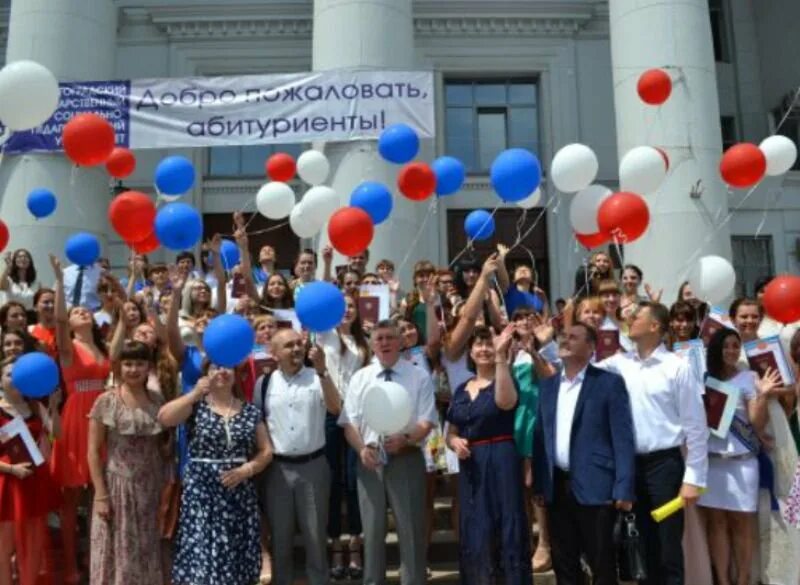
(630, 553)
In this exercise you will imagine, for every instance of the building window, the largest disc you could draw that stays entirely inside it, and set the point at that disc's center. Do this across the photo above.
(485, 117)
(245, 161)
(752, 259)
(719, 31)
(728, 126)
(789, 113)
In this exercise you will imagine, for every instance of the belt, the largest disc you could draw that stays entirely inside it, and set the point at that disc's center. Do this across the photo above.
(658, 455)
(490, 440)
(299, 458)
(217, 461)
(731, 456)
(90, 385)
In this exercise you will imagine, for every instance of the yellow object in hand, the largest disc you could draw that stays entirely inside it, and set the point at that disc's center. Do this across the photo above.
(669, 508)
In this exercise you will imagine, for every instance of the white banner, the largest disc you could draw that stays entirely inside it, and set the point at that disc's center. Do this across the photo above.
(284, 108)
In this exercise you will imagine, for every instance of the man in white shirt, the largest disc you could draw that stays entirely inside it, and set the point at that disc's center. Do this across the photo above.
(294, 400)
(668, 412)
(80, 286)
(391, 467)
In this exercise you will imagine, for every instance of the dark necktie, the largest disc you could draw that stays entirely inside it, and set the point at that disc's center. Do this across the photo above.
(387, 374)
(76, 291)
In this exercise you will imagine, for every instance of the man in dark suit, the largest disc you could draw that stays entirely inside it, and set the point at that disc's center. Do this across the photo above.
(583, 456)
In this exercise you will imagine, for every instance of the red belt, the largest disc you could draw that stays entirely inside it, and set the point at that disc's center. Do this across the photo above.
(497, 439)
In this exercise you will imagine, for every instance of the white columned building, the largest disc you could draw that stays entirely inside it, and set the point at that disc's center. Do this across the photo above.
(675, 36)
(76, 40)
(370, 34)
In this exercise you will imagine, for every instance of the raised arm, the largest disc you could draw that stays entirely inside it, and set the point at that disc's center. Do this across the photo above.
(174, 339)
(6, 269)
(333, 402)
(458, 339)
(505, 392)
(63, 339)
(251, 290)
(433, 329)
(327, 264)
(219, 274)
(131, 288)
(179, 410)
(118, 338)
(502, 271)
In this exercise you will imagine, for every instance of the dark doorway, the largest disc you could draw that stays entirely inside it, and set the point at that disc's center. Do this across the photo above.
(282, 238)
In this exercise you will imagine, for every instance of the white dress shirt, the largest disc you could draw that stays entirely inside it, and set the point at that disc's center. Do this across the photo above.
(667, 406)
(91, 276)
(295, 412)
(21, 292)
(418, 384)
(568, 393)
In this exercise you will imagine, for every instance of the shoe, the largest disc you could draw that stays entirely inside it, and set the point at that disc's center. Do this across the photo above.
(265, 578)
(338, 570)
(355, 570)
(541, 561)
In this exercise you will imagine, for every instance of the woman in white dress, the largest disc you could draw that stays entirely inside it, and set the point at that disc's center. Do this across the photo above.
(731, 502)
(18, 279)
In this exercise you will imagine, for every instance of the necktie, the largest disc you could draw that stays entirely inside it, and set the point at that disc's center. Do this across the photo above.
(387, 374)
(76, 291)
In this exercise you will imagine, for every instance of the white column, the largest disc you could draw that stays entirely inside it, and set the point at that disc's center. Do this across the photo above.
(76, 40)
(675, 35)
(370, 34)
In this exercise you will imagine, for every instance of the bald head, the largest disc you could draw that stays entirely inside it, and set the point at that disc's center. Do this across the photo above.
(289, 350)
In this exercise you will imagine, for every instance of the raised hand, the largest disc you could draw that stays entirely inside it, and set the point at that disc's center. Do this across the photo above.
(769, 382)
(652, 294)
(503, 341)
(489, 266)
(430, 290)
(238, 220)
(327, 254)
(215, 245)
(543, 329)
(317, 357)
(502, 250)
(57, 270)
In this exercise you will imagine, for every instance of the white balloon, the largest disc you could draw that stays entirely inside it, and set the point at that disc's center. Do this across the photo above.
(642, 170)
(531, 200)
(29, 95)
(313, 167)
(574, 168)
(320, 202)
(712, 279)
(781, 154)
(584, 206)
(300, 222)
(387, 407)
(275, 200)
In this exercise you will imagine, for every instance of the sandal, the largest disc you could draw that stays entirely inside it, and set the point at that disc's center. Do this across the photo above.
(265, 578)
(338, 570)
(356, 568)
(541, 561)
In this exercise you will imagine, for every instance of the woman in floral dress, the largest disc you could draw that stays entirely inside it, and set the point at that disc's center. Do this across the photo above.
(218, 529)
(125, 542)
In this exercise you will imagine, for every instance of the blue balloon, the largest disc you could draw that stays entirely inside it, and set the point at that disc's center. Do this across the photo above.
(479, 225)
(35, 375)
(515, 174)
(82, 249)
(320, 306)
(374, 198)
(178, 226)
(230, 254)
(41, 203)
(450, 174)
(174, 175)
(228, 340)
(398, 144)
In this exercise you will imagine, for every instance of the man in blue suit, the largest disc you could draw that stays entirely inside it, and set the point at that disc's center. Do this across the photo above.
(583, 457)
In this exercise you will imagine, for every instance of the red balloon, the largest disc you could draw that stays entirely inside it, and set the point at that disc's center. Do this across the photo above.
(147, 245)
(624, 216)
(88, 139)
(782, 298)
(654, 87)
(350, 230)
(132, 215)
(590, 241)
(281, 167)
(121, 163)
(743, 165)
(417, 181)
(4, 235)
(664, 155)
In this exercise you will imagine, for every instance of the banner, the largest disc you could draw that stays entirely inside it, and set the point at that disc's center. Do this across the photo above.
(248, 109)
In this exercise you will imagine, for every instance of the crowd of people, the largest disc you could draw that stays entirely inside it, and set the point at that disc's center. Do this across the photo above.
(570, 417)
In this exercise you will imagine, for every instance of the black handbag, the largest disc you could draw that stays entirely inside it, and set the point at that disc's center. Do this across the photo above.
(630, 549)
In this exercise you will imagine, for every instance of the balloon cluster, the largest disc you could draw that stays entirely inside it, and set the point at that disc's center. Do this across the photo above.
(743, 165)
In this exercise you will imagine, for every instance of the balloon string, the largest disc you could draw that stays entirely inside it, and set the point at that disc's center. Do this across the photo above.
(539, 217)
(73, 176)
(470, 241)
(431, 211)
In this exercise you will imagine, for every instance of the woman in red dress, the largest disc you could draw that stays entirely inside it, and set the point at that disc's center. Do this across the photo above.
(85, 366)
(27, 493)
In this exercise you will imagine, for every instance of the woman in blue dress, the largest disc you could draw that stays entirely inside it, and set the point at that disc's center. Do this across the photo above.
(218, 529)
(494, 542)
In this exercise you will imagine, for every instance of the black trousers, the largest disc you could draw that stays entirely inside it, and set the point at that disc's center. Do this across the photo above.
(659, 476)
(577, 530)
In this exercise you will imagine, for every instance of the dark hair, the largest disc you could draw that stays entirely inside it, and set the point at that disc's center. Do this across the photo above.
(157, 267)
(714, 361)
(306, 251)
(40, 293)
(560, 300)
(285, 302)
(659, 313)
(29, 342)
(591, 332)
(794, 347)
(683, 285)
(185, 256)
(139, 307)
(522, 312)
(14, 272)
(371, 274)
(744, 302)
(385, 262)
(238, 392)
(97, 334)
(5, 309)
(459, 282)
(635, 269)
(683, 310)
(343, 273)
(357, 331)
(365, 253)
(135, 350)
(385, 324)
(762, 283)
(478, 334)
